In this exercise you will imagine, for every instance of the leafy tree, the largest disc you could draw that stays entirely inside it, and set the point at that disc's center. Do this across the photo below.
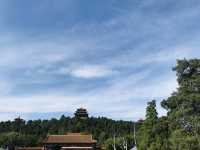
(183, 107)
(120, 142)
(151, 113)
(180, 129)
(13, 139)
(146, 134)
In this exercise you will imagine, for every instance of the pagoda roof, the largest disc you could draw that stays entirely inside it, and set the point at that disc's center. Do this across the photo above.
(69, 138)
(81, 110)
(76, 147)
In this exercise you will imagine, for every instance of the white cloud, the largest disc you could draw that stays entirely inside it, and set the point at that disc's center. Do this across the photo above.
(91, 72)
(88, 71)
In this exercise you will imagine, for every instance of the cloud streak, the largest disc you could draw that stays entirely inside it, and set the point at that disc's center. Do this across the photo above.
(88, 71)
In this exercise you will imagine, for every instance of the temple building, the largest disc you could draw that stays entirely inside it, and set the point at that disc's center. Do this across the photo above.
(81, 113)
(70, 141)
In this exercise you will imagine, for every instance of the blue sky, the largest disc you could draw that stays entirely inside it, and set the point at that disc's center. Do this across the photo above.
(108, 56)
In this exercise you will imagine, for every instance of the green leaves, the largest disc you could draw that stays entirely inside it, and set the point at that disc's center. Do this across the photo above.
(120, 142)
(11, 139)
(30, 133)
(151, 113)
(147, 134)
(180, 129)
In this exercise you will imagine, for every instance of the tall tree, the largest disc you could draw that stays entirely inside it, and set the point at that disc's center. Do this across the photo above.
(183, 106)
(151, 112)
(146, 135)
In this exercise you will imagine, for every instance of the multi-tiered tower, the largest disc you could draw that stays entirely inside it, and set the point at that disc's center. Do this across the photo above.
(81, 113)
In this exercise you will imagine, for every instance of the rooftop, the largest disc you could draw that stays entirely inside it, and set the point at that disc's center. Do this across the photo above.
(77, 148)
(29, 148)
(69, 138)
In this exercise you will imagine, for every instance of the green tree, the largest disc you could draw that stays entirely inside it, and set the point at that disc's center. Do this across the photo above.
(183, 107)
(120, 142)
(151, 113)
(146, 136)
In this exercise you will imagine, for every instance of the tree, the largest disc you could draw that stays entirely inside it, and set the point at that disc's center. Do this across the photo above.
(183, 107)
(120, 142)
(147, 133)
(12, 139)
(151, 113)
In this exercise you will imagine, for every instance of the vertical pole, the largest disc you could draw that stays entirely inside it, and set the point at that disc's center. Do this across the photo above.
(135, 136)
(114, 143)
(126, 145)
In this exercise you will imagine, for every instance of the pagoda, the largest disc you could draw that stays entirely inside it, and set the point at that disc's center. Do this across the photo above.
(81, 113)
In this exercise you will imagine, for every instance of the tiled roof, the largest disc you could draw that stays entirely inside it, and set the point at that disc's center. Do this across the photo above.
(69, 138)
(63, 148)
(29, 148)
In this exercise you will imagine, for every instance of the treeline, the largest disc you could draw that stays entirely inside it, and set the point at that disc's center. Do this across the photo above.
(31, 133)
(180, 129)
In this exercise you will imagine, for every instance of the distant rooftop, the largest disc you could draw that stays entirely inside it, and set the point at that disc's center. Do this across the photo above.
(69, 138)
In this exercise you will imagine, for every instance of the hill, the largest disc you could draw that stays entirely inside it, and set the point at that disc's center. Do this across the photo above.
(31, 133)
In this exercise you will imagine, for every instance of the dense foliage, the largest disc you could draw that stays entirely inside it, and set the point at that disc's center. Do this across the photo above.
(120, 143)
(180, 129)
(32, 132)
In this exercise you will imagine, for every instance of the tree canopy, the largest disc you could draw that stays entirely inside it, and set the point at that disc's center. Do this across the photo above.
(31, 133)
(180, 129)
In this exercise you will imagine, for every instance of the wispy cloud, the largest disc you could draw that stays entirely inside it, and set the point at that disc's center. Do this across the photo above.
(88, 71)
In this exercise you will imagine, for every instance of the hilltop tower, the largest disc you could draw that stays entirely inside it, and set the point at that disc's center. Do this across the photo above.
(81, 113)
